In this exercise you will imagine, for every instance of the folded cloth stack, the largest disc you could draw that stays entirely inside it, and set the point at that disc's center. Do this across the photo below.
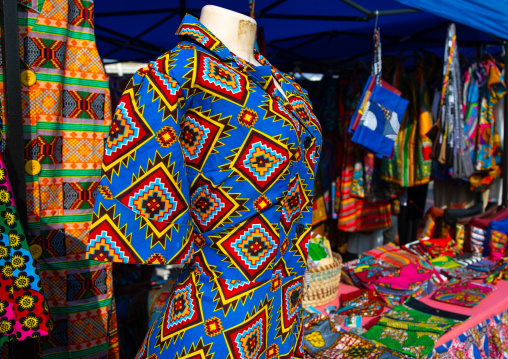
(321, 340)
(482, 228)
(413, 328)
(393, 273)
(363, 302)
(464, 294)
(465, 266)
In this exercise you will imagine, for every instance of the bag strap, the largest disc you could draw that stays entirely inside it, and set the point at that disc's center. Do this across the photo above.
(376, 60)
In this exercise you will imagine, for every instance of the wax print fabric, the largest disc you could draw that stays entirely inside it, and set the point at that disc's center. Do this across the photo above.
(413, 328)
(206, 164)
(380, 111)
(479, 232)
(497, 239)
(385, 271)
(66, 115)
(410, 164)
(321, 340)
(23, 308)
(362, 302)
(462, 273)
(464, 294)
(483, 265)
(487, 147)
(499, 271)
(437, 247)
(483, 88)
(489, 339)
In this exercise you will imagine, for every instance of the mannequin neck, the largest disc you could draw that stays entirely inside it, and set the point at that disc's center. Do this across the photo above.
(236, 31)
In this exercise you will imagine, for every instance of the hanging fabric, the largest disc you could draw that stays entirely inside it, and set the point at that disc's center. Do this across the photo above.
(450, 146)
(23, 309)
(410, 164)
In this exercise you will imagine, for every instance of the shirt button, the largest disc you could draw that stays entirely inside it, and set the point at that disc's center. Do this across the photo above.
(32, 167)
(307, 142)
(28, 78)
(36, 251)
(300, 228)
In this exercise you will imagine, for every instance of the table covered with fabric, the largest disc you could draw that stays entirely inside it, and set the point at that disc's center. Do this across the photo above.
(483, 335)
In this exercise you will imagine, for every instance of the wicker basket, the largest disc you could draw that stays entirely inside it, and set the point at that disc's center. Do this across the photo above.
(324, 283)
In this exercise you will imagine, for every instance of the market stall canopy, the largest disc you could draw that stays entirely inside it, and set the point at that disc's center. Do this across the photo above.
(487, 16)
(312, 36)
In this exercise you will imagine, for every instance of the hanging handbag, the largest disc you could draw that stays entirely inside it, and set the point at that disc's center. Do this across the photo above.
(377, 119)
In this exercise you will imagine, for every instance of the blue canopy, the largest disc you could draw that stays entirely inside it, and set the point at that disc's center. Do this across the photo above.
(484, 15)
(315, 36)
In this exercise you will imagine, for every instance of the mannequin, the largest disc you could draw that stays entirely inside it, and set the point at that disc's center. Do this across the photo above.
(223, 22)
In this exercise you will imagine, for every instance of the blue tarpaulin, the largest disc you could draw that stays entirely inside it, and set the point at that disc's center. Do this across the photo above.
(490, 16)
(314, 35)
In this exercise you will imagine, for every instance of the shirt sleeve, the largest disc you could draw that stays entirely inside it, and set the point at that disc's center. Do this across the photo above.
(141, 212)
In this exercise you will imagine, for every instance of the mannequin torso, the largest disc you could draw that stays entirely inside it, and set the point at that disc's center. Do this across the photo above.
(235, 30)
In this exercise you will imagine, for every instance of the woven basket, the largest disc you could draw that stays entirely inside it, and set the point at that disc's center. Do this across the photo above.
(324, 283)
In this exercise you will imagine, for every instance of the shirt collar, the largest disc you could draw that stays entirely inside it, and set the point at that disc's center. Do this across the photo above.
(192, 28)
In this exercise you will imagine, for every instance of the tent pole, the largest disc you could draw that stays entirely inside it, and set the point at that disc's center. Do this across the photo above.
(504, 201)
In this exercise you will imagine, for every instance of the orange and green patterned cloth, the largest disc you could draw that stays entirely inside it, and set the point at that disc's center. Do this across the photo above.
(413, 328)
(66, 116)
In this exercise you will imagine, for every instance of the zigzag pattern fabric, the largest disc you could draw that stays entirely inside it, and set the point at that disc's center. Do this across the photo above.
(206, 164)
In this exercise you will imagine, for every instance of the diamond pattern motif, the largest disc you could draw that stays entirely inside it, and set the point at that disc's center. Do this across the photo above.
(220, 80)
(251, 246)
(248, 340)
(304, 111)
(155, 196)
(153, 201)
(194, 137)
(129, 131)
(200, 135)
(261, 160)
(123, 130)
(210, 205)
(182, 312)
(295, 200)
